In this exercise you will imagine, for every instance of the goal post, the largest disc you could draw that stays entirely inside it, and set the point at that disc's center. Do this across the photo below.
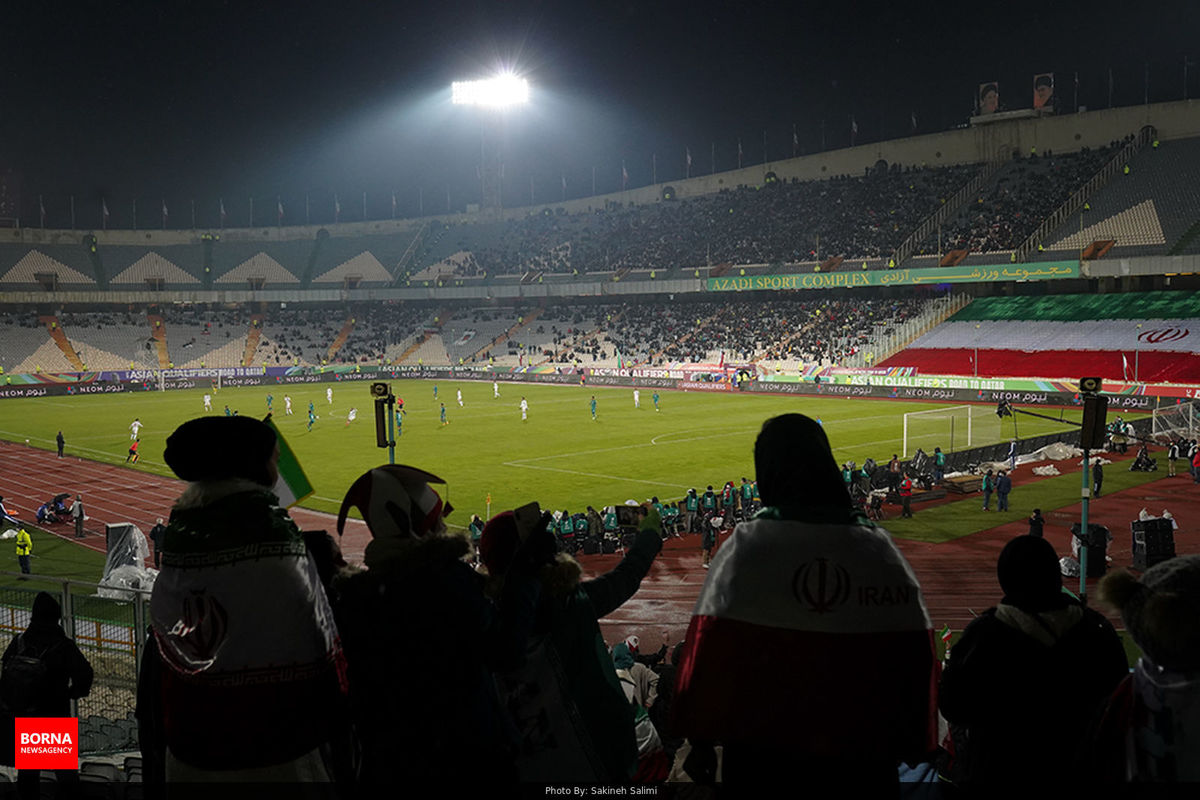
(949, 428)
(1176, 421)
(952, 428)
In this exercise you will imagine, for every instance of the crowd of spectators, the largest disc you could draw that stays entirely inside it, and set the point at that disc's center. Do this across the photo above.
(745, 328)
(376, 328)
(779, 222)
(101, 320)
(336, 693)
(218, 322)
(1024, 193)
(864, 217)
(323, 683)
(303, 334)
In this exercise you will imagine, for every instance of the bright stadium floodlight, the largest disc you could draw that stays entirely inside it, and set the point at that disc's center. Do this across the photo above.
(499, 92)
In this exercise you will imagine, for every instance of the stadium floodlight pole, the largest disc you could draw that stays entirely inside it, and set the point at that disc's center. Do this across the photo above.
(496, 95)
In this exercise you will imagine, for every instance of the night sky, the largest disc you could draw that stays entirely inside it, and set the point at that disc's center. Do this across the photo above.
(206, 100)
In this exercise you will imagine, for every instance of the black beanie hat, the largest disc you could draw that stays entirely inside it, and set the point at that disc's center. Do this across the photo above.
(1029, 574)
(212, 448)
(1161, 610)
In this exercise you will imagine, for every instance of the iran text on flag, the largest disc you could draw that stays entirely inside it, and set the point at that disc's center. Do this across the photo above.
(293, 485)
(812, 637)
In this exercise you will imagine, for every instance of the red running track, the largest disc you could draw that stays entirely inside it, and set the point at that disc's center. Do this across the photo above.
(957, 577)
(30, 477)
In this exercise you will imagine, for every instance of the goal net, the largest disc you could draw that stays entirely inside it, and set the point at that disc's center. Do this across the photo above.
(1179, 421)
(953, 428)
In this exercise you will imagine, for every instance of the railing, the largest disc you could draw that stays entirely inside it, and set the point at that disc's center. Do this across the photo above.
(884, 346)
(109, 631)
(950, 207)
(409, 253)
(1085, 192)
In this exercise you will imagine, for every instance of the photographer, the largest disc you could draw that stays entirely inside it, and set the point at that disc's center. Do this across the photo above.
(577, 725)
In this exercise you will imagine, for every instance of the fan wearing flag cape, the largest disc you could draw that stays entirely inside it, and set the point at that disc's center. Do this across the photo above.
(248, 682)
(810, 652)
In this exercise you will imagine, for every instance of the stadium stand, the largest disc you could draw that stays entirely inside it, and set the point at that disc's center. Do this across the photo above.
(361, 269)
(856, 217)
(22, 344)
(1141, 336)
(1010, 206)
(430, 350)
(1146, 211)
(228, 354)
(25, 267)
(194, 336)
(161, 267)
(304, 335)
(821, 330)
(389, 251)
(248, 263)
(470, 333)
(836, 224)
(568, 331)
(111, 340)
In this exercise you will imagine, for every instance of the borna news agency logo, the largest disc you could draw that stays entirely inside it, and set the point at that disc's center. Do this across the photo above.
(46, 743)
(1163, 335)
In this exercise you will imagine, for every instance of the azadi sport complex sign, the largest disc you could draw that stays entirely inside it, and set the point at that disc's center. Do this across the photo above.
(1039, 271)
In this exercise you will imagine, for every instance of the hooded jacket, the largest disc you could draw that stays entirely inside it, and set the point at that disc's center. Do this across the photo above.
(1014, 666)
(68, 673)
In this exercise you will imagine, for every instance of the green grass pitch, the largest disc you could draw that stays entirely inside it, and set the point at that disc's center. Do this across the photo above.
(559, 456)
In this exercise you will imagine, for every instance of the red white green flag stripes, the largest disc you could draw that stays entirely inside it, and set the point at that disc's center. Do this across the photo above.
(812, 636)
(293, 485)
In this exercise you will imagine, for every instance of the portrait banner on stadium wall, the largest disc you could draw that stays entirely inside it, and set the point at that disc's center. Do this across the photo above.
(1043, 91)
(988, 98)
(1041, 271)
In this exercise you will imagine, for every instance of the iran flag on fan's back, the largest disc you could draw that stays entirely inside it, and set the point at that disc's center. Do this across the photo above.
(813, 637)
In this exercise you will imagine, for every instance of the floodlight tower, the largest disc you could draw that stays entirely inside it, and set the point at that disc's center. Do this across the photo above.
(494, 97)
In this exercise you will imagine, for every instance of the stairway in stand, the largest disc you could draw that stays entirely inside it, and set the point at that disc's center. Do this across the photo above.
(436, 325)
(253, 336)
(158, 330)
(342, 336)
(56, 333)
